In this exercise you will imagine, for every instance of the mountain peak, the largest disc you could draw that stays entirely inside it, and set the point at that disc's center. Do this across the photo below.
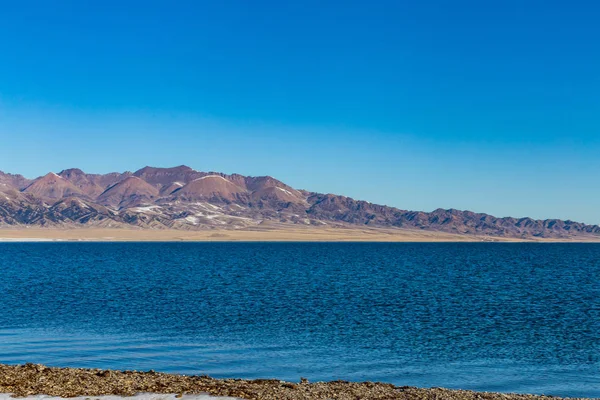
(52, 186)
(71, 172)
(211, 187)
(160, 177)
(14, 181)
(148, 169)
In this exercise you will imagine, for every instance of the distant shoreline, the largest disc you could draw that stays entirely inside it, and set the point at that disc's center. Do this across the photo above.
(34, 379)
(302, 234)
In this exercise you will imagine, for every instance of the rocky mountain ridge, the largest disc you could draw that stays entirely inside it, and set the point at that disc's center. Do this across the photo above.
(183, 198)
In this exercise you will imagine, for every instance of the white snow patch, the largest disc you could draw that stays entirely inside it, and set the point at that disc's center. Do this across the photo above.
(81, 203)
(242, 218)
(283, 190)
(214, 218)
(207, 206)
(144, 209)
(212, 176)
(192, 220)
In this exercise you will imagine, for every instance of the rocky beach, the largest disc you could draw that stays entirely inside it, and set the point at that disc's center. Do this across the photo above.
(34, 379)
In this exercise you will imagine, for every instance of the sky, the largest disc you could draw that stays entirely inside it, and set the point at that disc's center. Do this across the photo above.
(491, 106)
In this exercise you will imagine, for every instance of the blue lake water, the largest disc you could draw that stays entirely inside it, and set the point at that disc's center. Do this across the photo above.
(493, 317)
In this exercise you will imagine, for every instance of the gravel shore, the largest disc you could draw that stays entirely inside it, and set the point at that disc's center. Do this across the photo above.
(34, 379)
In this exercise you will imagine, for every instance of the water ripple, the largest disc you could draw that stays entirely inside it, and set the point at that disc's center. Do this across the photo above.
(495, 317)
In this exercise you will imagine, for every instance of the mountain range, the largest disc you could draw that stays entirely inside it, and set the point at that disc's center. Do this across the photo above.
(183, 198)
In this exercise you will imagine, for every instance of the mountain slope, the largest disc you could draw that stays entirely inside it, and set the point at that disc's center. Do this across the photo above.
(213, 188)
(161, 177)
(131, 191)
(186, 199)
(85, 183)
(13, 181)
(52, 186)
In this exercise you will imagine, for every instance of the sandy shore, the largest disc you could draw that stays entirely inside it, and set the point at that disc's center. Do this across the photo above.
(272, 234)
(33, 379)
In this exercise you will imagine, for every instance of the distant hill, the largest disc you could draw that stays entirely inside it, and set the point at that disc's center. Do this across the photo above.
(52, 186)
(183, 198)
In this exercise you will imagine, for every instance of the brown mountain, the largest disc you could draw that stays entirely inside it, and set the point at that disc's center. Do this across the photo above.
(131, 191)
(80, 211)
(268, 188)
(92, 185)
(13, 181)
(213, 188)
(279, 194)
(170, 188)
(160, 177)
(85, 183)
(52, 186)
(182, 198)
(107, 180)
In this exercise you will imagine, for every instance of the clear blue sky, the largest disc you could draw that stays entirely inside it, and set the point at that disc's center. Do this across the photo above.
(492, 106)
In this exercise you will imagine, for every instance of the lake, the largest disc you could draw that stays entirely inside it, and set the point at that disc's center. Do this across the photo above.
(511, 317)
